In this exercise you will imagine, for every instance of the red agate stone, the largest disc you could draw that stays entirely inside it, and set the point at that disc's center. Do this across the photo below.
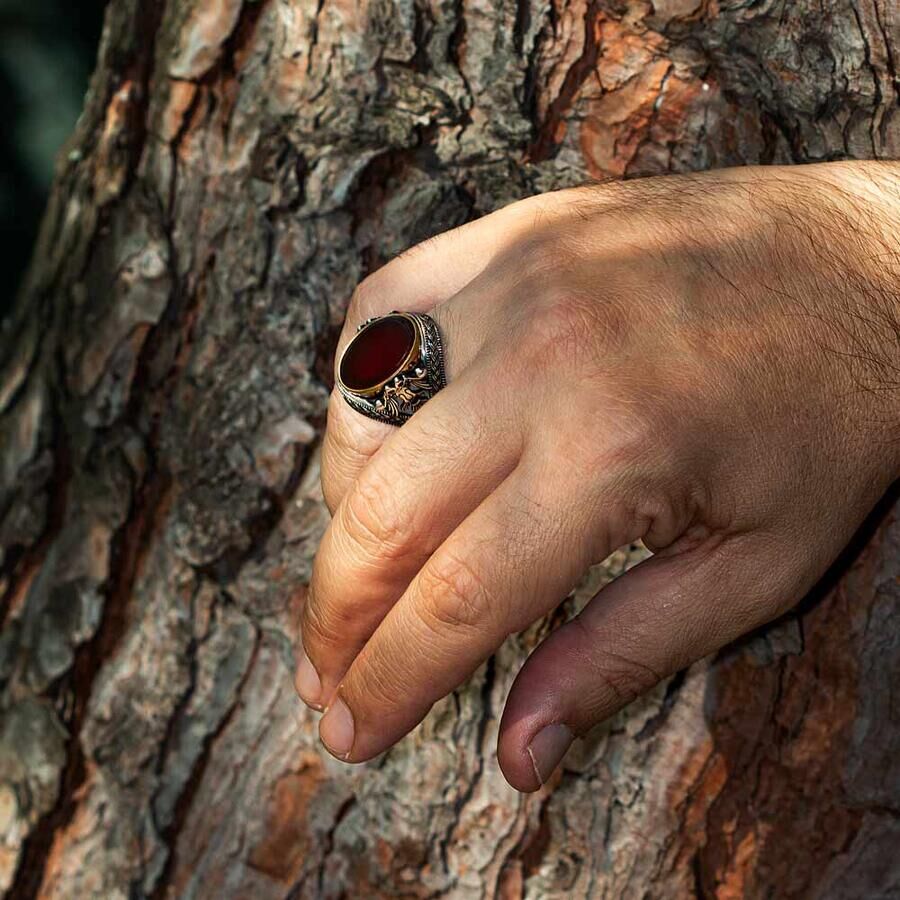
(377, 352)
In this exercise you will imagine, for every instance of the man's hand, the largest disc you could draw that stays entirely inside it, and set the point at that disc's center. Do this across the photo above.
(700, 362)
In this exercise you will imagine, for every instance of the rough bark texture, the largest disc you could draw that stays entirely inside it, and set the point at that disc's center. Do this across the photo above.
(239, 167)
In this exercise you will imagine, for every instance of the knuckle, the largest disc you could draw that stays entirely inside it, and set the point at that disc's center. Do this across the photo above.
(620, 678)
(634, 436)
(330, 625)
(454, 595)
(371, 519)
(565, 323)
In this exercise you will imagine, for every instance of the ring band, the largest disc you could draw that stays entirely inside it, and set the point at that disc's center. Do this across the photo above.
(393, 365)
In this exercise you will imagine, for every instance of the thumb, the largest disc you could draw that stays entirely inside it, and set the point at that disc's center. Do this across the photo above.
(652, 621)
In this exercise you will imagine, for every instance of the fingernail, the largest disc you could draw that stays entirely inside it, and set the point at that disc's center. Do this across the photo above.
(547, 748)
(336, 729)
(307, 682)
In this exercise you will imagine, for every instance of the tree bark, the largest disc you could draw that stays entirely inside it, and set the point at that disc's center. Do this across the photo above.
(240, 165)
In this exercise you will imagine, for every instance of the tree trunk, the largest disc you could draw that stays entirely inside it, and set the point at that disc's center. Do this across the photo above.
(240, 165)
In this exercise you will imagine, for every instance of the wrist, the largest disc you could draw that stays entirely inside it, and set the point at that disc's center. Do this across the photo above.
(861, 220)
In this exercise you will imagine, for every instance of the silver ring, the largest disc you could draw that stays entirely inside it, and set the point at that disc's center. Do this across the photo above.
(393, 365)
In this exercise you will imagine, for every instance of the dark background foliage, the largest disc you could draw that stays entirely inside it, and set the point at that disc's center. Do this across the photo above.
(47, 50)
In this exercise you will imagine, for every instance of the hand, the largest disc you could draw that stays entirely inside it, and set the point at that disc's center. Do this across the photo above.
(700, 362)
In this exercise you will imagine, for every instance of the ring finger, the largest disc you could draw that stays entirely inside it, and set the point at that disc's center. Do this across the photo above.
(423, 279)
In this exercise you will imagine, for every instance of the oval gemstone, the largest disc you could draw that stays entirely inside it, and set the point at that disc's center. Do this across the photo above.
(377, 352)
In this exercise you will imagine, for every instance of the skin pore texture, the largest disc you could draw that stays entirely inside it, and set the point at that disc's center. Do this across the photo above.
(709, 363)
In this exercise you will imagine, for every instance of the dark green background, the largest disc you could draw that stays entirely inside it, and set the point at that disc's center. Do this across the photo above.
(47, 52)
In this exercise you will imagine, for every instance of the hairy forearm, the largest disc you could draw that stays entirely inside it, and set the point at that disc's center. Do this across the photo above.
(879, 184)
(861, 228)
